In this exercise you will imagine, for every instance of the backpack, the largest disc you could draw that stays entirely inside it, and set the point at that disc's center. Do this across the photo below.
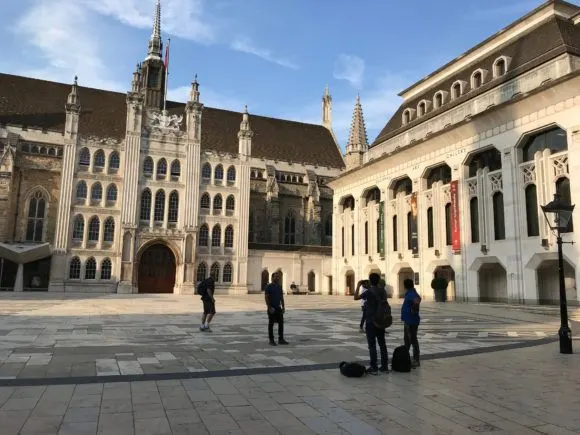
(383, 317)
(401, 361)
(352, 369)
(416, 305)
(202, 288)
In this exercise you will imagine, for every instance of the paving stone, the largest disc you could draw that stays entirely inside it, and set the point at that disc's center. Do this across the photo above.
(152, 426)
(120, 423)
(41, 425)
(76, 428)
(19, 404)
(12, 421)
(116, 405)
(82, 415)
(148, 410)
(85, 401)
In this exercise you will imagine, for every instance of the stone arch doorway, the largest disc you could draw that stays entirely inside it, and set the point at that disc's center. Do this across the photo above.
(448, 274)
(157, 268)
(492, 283)
(548, 280)
(404, 273)
(265, 279)
(349, 283)
(311, 281)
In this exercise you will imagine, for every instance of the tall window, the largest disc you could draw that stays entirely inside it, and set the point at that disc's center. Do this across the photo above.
(563, 189)
(477, 80)
(498, 216)
(500, 68)
(201, 272)
(230, 204)
(84, 158)
(148, 167)
(532, 211)
(395, 238)
(251, 230)
(227, 275)
(216, 236)
(91, 269)
(112, 194)
(229, 237)
(81, 194)
(406, 117)
(352, 246)
(422, 108)
(78, 228)
(438, 100)
(366, 237)
(96, 193)
(474, 219)
(409, 230)
(109, 230)
(206, 172)
(205, 201)
(173, 207)
(430, 235)
(219, 174)
(203, 239)
(94, 228)
(74, 271)
(159, 213)
(99, 163)
(231, 176)
(175, 170)
(215, 272)
(36, 216)
(342, 240)
(448, 240)
(161, 169)
(217, 204)
(456, 90)
(114, 162)
(290, 229)
(106, 269)
(328, 226)
(378, 236)
(145, 209)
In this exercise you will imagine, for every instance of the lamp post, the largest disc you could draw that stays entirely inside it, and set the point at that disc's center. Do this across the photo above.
(558, 215)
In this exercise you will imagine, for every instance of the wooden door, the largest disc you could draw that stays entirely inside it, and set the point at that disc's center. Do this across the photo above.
(157, 270)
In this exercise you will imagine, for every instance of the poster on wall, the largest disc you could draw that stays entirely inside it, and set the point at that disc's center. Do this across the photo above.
(455, 233)
(382, 229)
(414, 225)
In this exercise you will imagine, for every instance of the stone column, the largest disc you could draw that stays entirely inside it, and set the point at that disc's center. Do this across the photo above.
(19, 282)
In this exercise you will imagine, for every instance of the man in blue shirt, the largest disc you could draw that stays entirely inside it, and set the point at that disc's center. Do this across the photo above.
(274, 296)
(410, 317)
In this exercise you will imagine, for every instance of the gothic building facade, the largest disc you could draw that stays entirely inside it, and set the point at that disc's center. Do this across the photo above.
(110, 192)
(454, 182)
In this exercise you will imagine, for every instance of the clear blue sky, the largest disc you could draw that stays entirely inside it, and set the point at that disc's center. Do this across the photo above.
(273, 55)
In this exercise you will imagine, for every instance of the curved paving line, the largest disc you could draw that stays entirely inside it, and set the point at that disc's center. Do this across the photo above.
(33, 382)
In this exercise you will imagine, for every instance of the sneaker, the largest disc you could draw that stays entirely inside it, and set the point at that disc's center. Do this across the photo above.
(282, 341)
(384, 369)
(207, 329)
(416, 363)
(372, 371)
(202, 328)
(272, 343)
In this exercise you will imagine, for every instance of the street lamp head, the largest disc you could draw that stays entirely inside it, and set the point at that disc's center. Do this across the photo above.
(558, 213)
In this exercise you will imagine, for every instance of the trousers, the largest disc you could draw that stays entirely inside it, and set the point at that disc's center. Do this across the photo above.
(376, 335)
(276, 317)
(411, 339)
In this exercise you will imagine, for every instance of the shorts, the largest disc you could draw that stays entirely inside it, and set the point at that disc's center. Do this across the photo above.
(208, 306)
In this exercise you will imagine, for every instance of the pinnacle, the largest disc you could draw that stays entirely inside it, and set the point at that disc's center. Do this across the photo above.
(357, 139)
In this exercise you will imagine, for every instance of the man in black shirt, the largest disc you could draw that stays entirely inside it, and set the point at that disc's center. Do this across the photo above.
(206, 290)
(274, 296)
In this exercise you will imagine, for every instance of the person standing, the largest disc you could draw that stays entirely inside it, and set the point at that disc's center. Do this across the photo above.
(274, 296)
(411, 318)
(206, 290)
(364, 286)
(374, 297)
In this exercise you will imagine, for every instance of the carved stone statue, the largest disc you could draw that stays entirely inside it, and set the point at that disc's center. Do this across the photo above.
(164, 121)
(272, 188)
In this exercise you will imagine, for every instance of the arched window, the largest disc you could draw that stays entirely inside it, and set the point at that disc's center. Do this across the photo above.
(114, 162)
(91, 269)
(554, 140)
(409, 230)
(290, 228)
(25, 148)
(203, 238)
(456, 90)
(215, 272)
(563, 189)
(216, 236)
(474, 219)
(36, 216)
(476, 80)
(94, 228)
(78, 228)
(231, 175)
(173, 207)
(175, 170)
(421, 109)
(406, 117)
(52, 151)
(219, 174)
(229, 237)
(490, 159)
(43, 150)
(201, 272)
(366, 238)
(74, 269)
(440, 173)
(448, 239)
(498, 216)
(328, 226)
(205, 201)
(430, 235)
(230, 204)
(84, 159)
(217, 204)
(161, 169)
(112, 194)
(99, 162)
(96, 193)
(159, 211)
(106, 269)
(109, 230)
(206, 172)
(395, 234)
(499, 68)
(227, 276)
(145, 209)
(81, 194)
(438, 102)
(148, 167)
(532, 211)
(403, 185)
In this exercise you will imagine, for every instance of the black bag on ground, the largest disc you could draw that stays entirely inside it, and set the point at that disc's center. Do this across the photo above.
(352, 369)
(401, 361)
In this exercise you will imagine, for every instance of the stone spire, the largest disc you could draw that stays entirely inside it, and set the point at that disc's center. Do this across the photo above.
(73, 103)
(194, 94)
(136, 83)
(327, 109)
(155, 43)
(245, 136)
(357, 140)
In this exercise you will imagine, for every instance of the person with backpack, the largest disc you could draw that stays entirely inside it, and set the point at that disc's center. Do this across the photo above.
(411, 318)
(276, 307)
(378, 318)
(206, 290)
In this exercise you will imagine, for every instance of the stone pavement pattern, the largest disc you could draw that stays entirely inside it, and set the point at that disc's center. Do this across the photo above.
(523, 391)
(48, 335)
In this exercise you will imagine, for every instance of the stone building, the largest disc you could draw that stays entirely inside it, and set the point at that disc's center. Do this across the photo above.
(455, 180)
(111, 192)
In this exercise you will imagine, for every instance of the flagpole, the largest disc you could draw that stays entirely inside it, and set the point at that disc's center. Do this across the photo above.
(166, 75)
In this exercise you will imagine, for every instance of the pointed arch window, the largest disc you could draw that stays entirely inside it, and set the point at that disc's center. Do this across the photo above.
(215, 272)
(422, 108)
(161, 169)
(159, 211)
(36, 217)
(96, 194)
(217, 204)
(78, 228)
(74, 268)
(430, 234)
(228, 273)
(231, 175)
(230, 205)
(81, 194)
(216, 236)
(205, 202)
(206, 172)
(94, 229)
(448, 238)
(290, 228)
(554, 140)
(474, 219)
(201, 272)
(84, 159)
(456, 90)
(395, 237)
(499, 68)
(563, 189)
(148, 167)
(173, 207)
(438, 100)
(203, 239)
(106, 269)
(91, 269)
(109, 230)
(219, 174)
(533, 223)
(111, 194)
(477, 80)
(145, 209)
(99, 162)
(175, 170)
(229, 237)
(498, 216)
(114, 162)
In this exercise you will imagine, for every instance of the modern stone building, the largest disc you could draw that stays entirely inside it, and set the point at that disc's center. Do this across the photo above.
(455, 180)
(109, 192)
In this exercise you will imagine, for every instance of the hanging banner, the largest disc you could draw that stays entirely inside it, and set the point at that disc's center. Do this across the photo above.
(382, 229)
(455, 232)
(414, 225)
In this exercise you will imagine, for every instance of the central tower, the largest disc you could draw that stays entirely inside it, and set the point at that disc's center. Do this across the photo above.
(153, 68)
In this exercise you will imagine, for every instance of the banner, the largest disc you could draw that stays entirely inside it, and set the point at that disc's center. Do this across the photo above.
(455, 232)
(382, 229)
(414, 225)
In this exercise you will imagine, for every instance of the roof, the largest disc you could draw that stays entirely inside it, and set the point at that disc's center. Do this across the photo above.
(541, 44)
(37, 103)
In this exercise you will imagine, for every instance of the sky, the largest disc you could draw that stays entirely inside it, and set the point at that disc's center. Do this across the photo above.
(275, 56)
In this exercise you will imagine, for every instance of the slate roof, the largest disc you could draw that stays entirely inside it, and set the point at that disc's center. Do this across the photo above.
(40, 104)
(546, 41)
